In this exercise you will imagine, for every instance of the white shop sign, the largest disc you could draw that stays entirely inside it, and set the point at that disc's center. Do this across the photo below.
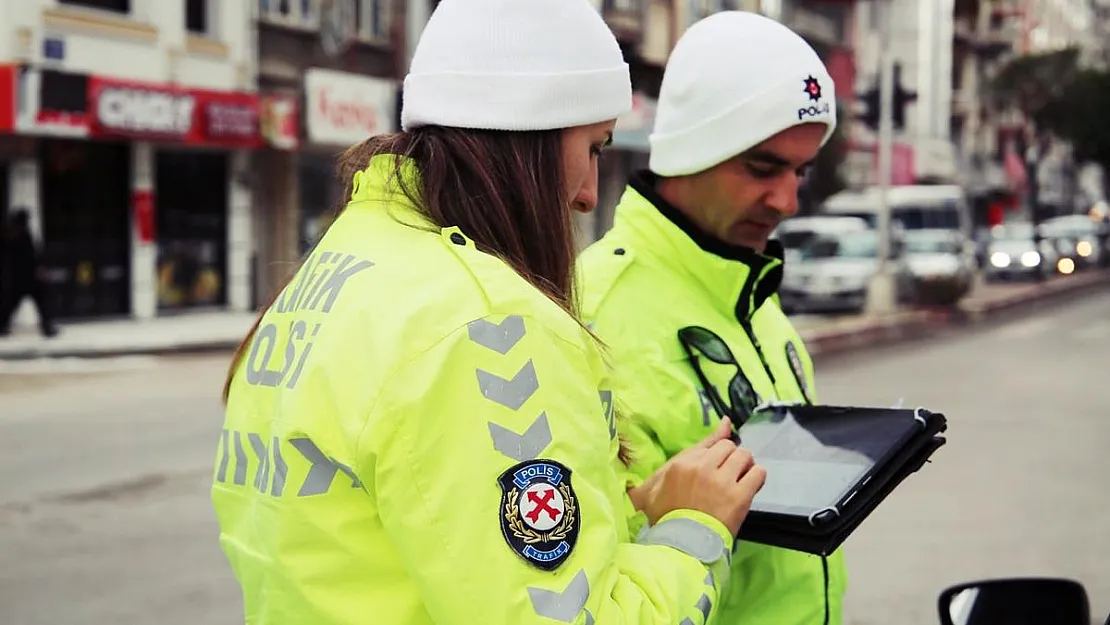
(344, 109)
(145, 111)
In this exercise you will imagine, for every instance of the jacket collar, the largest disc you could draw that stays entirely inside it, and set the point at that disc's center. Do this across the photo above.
(736, 278)
(378, 186)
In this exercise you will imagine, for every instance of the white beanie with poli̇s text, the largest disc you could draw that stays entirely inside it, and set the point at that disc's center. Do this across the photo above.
(734, 80)
(515, 65)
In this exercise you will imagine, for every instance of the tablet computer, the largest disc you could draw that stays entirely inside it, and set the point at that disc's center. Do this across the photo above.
(818, 457)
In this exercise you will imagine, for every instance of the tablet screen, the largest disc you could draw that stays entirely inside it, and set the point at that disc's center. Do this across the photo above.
(816, 456)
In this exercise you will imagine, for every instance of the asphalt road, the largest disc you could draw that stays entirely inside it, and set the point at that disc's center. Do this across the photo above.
(104, 510)
(105, 518)
(1023, 486)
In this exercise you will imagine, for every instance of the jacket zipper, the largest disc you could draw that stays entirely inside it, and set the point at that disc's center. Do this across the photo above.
(741, 316)
(825, 572)
(758, 349)
(762, 359)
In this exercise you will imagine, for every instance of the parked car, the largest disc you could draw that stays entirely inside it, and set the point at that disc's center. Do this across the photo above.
(835, 270)
(942, 265)
(795, 232)
(1013, 254)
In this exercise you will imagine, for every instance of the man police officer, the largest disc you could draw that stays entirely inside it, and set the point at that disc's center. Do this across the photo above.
(681, 289)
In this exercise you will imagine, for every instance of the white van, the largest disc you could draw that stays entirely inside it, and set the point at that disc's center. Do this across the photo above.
(914, 207)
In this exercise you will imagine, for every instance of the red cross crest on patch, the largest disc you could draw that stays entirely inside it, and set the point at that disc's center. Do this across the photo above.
(543, 507)
(812, 88)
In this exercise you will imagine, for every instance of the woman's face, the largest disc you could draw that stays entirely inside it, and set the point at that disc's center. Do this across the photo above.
(582, 146)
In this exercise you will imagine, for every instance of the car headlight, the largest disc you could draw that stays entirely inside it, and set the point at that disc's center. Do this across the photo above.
(1030, 259)
(1084, 248)
(1000, 259)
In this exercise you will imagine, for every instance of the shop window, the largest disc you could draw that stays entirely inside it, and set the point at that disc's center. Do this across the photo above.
(296, 13)
(198, 17)
(117, 6)
(85, 194)
(623, 6)
(191, 189)
(701, 9)
(373, 19)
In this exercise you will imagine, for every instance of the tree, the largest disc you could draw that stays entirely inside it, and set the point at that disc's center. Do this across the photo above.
(824, 178)
(1034, 82)
(1060, 96)
(1079, 115)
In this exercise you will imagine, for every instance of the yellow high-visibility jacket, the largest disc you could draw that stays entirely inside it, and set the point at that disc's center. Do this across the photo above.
(417, 435)
(650, 276)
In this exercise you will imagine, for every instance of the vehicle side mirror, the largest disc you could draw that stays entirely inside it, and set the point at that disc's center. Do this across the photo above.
(1019, 601)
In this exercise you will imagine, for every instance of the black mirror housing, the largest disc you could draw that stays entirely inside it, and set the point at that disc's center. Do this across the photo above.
(1015, 601)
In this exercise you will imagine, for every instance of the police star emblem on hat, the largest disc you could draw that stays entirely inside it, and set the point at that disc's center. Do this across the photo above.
(812, 88)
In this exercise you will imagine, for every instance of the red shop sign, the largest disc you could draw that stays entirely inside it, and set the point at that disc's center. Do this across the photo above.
(121, 108)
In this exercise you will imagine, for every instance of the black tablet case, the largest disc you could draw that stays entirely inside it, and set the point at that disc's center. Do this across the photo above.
(823, 535)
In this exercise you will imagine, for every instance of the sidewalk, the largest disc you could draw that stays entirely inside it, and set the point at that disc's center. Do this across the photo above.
(177, 333)
(986, 303)
(223, 330)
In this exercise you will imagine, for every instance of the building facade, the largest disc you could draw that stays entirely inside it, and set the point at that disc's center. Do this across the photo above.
(133, 124)
(920, 36)
(1005, 162)
(328, 80)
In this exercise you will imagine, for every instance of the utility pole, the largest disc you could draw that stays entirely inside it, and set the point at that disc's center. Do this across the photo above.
(881, 295)
(1033, 158)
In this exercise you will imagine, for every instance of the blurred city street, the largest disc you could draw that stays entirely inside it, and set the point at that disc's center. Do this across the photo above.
(105, 518)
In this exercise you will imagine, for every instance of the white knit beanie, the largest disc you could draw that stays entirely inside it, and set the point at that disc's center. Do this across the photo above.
(734, 80)
(515, 65)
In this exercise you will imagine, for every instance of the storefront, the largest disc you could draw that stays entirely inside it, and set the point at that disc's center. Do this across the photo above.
(340, 110)
(149, 213)
(84, 188)
(275, 192)
(191, 228)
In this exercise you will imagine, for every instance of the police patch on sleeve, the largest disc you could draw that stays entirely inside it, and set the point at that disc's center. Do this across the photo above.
(539, 512)
(795, 360)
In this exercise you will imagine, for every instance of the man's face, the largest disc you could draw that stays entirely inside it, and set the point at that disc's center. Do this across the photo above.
(743, 199)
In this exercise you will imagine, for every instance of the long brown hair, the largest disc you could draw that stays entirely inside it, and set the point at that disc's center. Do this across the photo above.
(503, 189)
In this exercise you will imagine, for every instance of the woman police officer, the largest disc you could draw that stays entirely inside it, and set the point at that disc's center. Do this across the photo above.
(418, 428)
